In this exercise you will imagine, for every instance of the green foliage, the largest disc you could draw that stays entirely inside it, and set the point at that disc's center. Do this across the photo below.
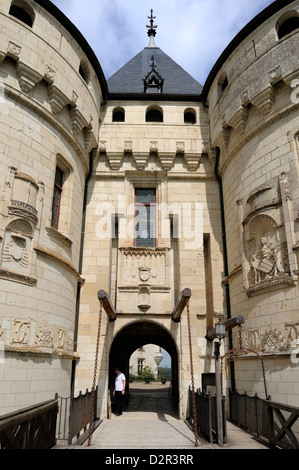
(148, 374)
(165, 373)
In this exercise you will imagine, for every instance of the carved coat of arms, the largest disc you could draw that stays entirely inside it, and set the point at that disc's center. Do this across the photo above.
(144, 274)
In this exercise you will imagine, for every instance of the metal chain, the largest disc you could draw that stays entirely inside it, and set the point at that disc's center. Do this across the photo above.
(91, 419)
(264, 378)
(192, 376)
(240, 337)
(221, 376)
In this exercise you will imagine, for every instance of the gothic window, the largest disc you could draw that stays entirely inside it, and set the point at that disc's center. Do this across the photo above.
(22, 12)
(190, 116)
(145, 218)
(59, 176)
(154, 115)
(118, 115)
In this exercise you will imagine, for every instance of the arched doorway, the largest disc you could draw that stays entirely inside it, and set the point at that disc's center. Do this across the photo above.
(136, 335)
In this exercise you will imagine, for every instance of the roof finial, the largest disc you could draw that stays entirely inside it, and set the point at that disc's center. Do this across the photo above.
(152, 29)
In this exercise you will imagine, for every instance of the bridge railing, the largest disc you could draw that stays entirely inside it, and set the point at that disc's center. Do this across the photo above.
(30, 428)
(207, 415)
(273, 422)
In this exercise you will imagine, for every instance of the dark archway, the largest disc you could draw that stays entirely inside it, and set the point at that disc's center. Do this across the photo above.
(136, 335)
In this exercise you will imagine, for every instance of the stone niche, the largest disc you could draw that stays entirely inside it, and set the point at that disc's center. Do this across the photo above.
(265, 243)
(16, 246)
(24, 198)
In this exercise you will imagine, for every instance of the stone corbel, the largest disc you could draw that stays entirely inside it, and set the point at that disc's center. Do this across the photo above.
(58, 100)
(264, 100)
(141, 160)
(193, 161)
(115, 159)
(89, 139)
(166, 160)
(223, 138)
(28, 78)
(78, 122)
(238, 121)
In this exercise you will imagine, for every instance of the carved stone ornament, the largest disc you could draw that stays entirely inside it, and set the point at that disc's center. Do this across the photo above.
(268, 261)
(128, 146)
(15, 253)
(275, 75)
(272, 340)
(154, 146)
(20, 332)
(49, 74)
(13, 50)
(70, 343)
(144, 273)
(44, 337)
(267, 254)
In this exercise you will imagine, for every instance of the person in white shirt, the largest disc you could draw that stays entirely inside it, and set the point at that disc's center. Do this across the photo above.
(120, 388)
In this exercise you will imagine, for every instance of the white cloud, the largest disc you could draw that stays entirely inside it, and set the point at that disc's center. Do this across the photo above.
(192, 32)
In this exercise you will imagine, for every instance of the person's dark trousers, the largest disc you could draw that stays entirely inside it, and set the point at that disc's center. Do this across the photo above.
(119, 403)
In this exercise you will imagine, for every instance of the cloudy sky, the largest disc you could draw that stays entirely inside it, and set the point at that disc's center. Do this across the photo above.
(192, 32)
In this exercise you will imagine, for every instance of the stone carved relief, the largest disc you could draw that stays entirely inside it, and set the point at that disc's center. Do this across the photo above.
(15, 253)
(13, 50)
(272, 340)
(70, 343)
(61, 336)
(266, 253)
(44, 336)
(38, 336)
(20, 332)
(144, 266)
(16, 246)
(267, 262)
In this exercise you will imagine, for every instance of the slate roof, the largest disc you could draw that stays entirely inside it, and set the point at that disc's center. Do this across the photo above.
(129, 79)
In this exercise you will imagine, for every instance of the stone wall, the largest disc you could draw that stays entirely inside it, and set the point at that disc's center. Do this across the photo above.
(144, 284)
(254, 122)
(48, 116)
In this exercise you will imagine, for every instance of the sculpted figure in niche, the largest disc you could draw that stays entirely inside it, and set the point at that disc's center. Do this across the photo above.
(267, 262)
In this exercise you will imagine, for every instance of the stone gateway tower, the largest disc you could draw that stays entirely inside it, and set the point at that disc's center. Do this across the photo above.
(144, 185)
